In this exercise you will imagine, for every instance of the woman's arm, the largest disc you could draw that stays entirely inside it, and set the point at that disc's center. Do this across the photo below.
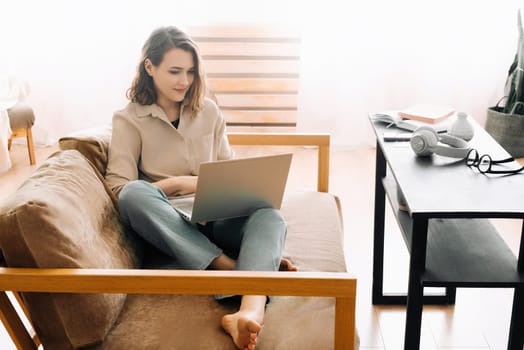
(177, 185)
(124, 153)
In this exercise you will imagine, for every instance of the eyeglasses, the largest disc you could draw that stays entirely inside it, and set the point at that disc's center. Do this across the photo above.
(483, 163)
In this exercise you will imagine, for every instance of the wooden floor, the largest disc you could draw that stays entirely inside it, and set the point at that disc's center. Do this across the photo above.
(480, 318)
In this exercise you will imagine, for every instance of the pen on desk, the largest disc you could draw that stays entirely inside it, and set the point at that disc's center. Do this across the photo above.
(396, 137)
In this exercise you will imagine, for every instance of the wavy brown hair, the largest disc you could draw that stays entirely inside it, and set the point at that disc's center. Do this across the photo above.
(160, 41)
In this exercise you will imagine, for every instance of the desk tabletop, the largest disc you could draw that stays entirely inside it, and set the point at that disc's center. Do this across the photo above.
(439, 186)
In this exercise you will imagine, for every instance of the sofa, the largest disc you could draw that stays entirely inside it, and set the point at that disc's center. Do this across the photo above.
(87, 282)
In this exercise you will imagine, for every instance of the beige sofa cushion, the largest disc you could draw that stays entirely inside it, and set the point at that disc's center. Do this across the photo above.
(62, 216)
(92, 143)
(314, 242)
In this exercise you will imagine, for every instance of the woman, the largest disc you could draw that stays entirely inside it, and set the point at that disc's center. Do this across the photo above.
(159, 139)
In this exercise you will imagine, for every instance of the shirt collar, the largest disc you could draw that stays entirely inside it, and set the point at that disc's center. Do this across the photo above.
(153, 110)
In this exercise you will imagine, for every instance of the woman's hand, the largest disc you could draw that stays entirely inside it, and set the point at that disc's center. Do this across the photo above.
(186, 184)
(178, 185)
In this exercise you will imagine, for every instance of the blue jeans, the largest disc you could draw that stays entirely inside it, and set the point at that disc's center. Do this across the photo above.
(256, 242)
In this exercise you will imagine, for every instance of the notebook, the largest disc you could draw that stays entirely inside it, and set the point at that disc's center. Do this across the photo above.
(427, 113)
(235, 188)
(393, 118)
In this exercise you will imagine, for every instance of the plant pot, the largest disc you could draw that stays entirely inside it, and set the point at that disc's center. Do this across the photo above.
(507, 129)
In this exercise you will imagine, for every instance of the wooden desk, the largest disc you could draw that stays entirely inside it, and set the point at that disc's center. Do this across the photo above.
(447, 229)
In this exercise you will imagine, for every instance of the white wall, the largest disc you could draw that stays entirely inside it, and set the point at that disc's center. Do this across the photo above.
(80, 57)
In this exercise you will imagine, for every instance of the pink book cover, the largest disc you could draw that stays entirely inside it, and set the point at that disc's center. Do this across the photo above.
(427, 113)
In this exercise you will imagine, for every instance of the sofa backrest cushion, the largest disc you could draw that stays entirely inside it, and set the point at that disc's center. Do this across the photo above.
(63, 217)
(93, 143)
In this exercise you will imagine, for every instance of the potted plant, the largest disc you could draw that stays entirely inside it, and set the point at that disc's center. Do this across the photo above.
(506, 124)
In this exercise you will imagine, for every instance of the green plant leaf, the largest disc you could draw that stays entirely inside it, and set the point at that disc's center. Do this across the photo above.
(515, 81)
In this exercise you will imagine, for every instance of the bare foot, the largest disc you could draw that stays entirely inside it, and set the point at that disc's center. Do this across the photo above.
(243, 327)
(287, 265)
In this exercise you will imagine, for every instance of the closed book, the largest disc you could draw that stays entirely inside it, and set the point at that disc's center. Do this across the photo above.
(431, 114)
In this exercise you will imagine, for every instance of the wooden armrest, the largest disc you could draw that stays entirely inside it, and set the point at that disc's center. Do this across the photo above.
(342, 286)
(138, 281)
(321, 140)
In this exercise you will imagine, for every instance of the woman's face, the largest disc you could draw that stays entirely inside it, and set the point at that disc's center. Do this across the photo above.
(173, 76)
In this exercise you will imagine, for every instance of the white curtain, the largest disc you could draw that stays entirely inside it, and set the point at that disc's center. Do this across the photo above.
(357, 57)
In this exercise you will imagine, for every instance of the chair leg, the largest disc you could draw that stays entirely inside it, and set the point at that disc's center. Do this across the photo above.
(30, 146)
(9, 143)
(14, 325)
(21, 303)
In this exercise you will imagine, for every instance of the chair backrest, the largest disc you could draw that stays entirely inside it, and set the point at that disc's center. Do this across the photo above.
(253, 72)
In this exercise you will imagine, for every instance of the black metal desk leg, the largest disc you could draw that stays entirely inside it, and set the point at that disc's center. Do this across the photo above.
(378, 234)
(451, 294)
(417, 265)
(516, 329)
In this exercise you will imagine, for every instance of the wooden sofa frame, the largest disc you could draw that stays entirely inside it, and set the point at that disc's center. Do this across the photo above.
(341, 286)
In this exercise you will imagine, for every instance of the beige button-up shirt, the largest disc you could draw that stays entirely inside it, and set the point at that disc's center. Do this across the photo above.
(145, 145)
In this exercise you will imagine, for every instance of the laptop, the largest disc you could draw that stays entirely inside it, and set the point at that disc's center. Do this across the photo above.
(236, 187)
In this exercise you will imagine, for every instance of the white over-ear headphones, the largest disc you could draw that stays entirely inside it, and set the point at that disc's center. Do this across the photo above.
(425, 141)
